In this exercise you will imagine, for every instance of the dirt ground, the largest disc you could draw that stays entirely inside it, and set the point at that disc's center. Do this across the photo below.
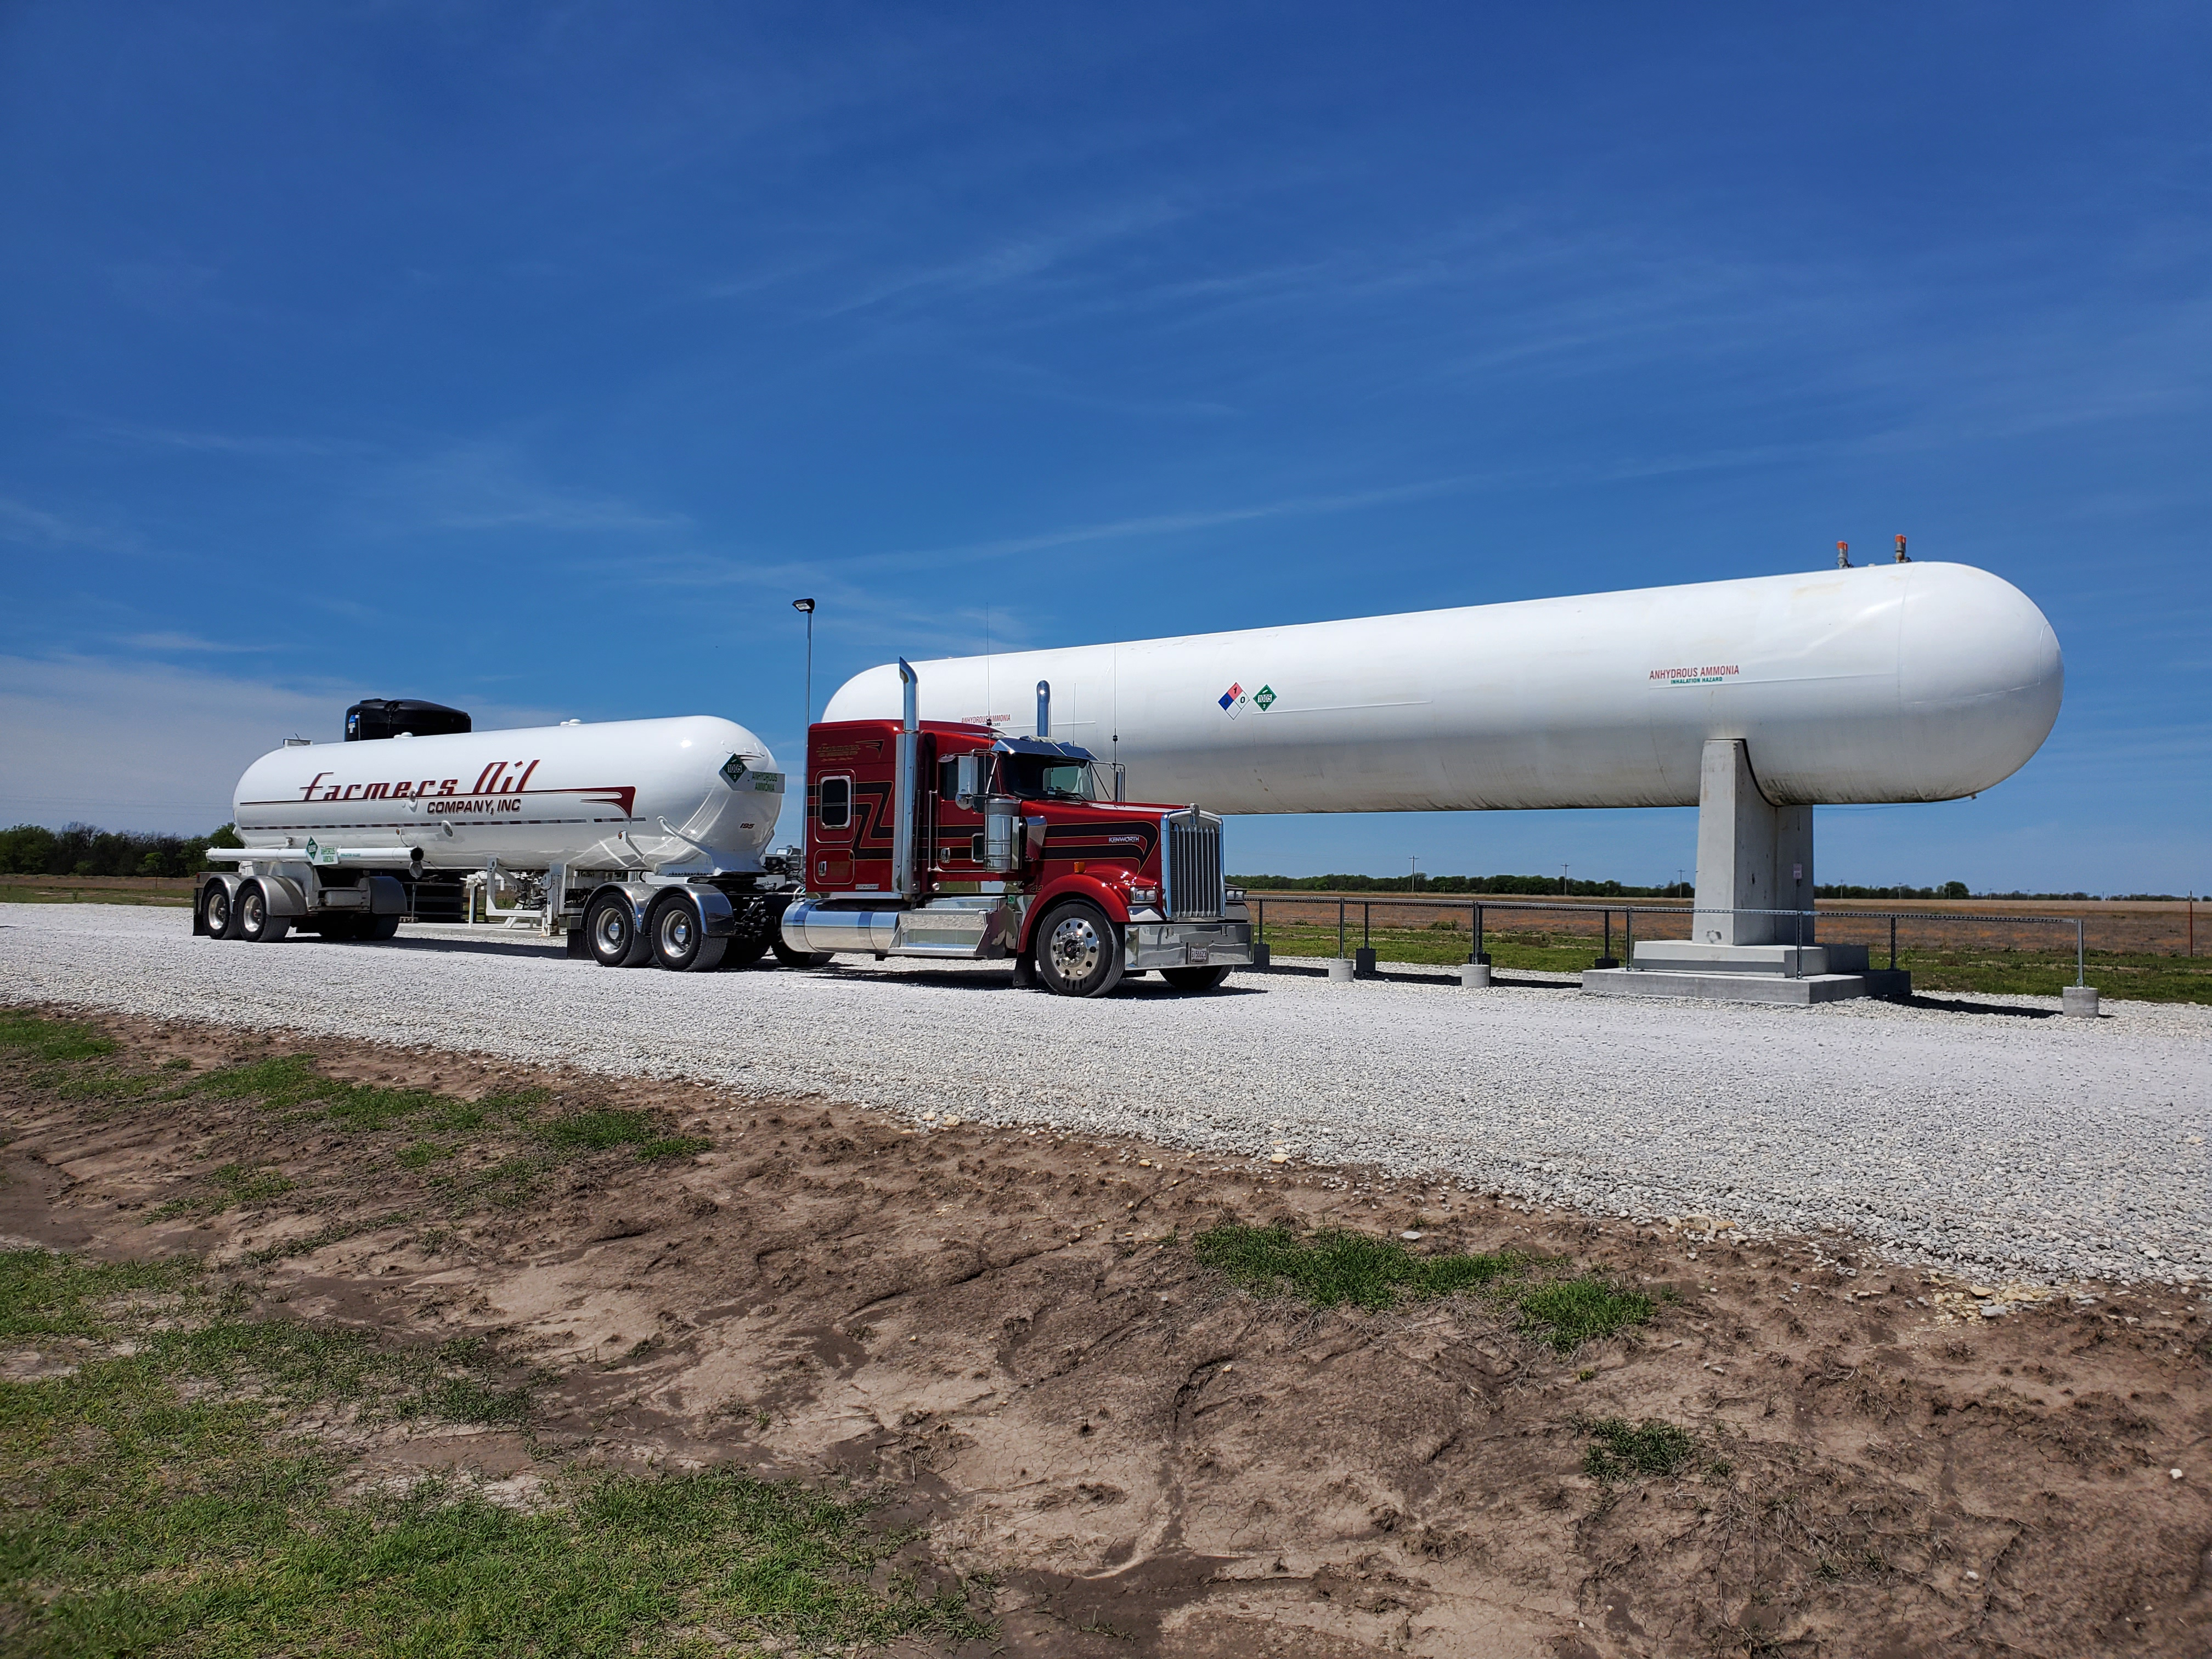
(1008, 1332)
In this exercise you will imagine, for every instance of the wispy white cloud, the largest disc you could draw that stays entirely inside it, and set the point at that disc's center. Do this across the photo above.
(169, 641)
(21, 522)
(286, 447)
(491, 485)
(149, 745)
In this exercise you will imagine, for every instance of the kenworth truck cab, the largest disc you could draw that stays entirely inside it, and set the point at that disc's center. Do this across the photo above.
(950, 839)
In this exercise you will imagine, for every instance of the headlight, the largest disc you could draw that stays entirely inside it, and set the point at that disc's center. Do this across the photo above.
(1233, 895)
(1144, 896)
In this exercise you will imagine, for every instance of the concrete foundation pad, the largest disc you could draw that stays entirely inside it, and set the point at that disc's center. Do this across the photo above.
(1727, 988)
(1686, 957)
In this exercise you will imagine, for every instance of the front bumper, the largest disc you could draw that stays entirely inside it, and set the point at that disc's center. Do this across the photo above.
(1190, 944)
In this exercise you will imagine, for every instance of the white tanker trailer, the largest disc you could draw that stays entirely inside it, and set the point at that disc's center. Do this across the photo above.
(1752, 699)
(653, 835)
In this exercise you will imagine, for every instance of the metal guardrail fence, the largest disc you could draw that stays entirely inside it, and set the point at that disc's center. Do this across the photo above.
(1478, 908)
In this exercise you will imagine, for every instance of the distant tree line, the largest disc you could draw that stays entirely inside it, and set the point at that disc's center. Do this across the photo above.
(84, 849)
(1517, 886)
(1538, 886)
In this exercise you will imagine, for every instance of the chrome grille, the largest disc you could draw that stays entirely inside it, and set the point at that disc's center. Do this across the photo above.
(1193, 865)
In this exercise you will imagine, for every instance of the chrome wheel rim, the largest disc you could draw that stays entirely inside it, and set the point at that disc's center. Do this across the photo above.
(1076, 948)
(676, 932)
(613, 934)
(218, 912)
(250, 910)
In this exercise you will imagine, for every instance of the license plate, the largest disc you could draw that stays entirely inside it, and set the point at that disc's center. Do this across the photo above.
(1198, 955)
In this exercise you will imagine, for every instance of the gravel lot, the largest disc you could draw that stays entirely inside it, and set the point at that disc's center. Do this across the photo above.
(1980, 1132)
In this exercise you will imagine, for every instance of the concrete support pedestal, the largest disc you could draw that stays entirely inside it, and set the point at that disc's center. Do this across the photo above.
(1340, 971)
(1753, 856)
(1362, 960)
(1475, 976)
(2079, 1000)
(1262, 953)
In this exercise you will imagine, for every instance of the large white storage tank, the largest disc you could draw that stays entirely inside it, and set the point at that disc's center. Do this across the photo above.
(695, 793)
(1916, 681)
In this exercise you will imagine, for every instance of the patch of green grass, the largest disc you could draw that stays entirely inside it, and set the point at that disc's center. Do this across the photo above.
(234, 1186)
(1331, 1267)
(161, 1500)
(43, 1294)
(1619, 1450)
(1435, 946)
(281, 1080)
(601, 1130)
(1570, 1312)
(1991, 971)
(598, 1131)
(2043, 974)
(51, 1039)
(422, 1153)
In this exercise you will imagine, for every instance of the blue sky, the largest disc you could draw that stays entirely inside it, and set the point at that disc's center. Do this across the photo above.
(533, 358)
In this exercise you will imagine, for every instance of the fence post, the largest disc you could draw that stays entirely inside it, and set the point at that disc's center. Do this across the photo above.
(1340, 929)
(1893, 944)
(2080, 968)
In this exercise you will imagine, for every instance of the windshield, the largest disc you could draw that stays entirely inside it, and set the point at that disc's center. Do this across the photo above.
(1036, 777)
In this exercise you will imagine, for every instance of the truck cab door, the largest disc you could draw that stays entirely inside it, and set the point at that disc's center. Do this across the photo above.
(954, 855)
(830, 833)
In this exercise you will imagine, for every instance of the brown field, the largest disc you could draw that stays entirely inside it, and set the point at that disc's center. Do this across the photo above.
(1008, 1338)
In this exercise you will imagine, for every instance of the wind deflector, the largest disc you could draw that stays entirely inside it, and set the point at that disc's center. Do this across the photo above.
(1050, 750)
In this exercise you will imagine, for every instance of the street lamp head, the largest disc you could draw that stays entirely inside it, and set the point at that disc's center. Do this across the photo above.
(806, 605)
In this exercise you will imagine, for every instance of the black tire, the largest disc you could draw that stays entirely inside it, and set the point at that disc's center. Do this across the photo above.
(1193, 979)
(791, 957)
(377, 928)
(256, 923)
(616, 941)
(219, 912)
(743, 953)
(680, 941)
(1079, 953)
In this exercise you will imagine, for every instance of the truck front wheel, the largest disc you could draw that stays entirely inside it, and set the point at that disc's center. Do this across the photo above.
(1193, 979)
(1078, 952)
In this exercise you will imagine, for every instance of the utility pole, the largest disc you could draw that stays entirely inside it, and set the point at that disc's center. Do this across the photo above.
(1562, 881)
(807, 608)
(1412, 875)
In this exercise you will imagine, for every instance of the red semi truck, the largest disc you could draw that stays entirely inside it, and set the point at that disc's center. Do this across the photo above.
(950, 839)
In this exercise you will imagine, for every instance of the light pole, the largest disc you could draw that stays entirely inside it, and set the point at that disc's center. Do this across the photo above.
(807, 608)
(1413, 873)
